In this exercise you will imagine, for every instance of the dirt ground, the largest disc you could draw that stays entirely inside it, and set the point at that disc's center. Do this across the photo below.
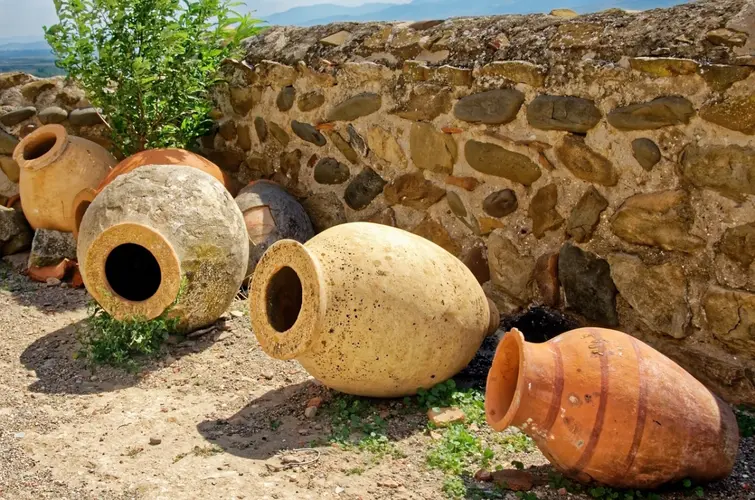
(213, 418)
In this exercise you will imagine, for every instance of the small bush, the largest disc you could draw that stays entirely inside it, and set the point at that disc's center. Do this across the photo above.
(109, 341)
(149, 65)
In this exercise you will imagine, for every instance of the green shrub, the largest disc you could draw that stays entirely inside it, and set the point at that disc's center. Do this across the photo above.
(149, 65)
(109, 341)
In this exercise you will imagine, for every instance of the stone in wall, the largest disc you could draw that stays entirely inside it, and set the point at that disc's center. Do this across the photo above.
(494, 107)
(658, 113)
(325, 210)
(465, 183)
(425, 103)
(260, 126)
(434, 231)
(456, 205)
(343, 146)
(356, 141)
(307, 132)
(729, 170)
(663, 66)
(509, 270)
(515, 71)
(86, 117)
(491, 159)
(244, 137)
(546, 277)
(585, 216)
(355, 107)
(53, 114)
(331, 171)
(658, 294)
(364, 188)
(731, 317)
(570, 114)
(383, 144)
(227, 130)
(476, 259)
(7, 143)
(413, 190)
(543, 211)
(243, 99)
(646, 152)
(386, 217)
(720, 77)
(585, 163)
(431, 149)
(17, 116)
(733, 113)
(738, 243)
(285, 99)
(587, 284)
(661, 219)
(500, 203)
(10, 168)
(310, 101)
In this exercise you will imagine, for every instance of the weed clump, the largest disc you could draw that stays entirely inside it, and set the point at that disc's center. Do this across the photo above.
(108, 341)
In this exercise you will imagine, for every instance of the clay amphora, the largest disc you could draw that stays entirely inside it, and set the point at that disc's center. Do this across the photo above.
(175, 245)
(271, 214)
(54, 167)
(369, 309)
(170, 156)
(603, 405)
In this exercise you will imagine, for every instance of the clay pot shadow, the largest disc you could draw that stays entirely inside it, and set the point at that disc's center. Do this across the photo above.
(59, 370)
(270, 424)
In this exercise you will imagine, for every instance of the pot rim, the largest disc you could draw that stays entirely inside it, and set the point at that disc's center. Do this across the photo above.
(512, 341)
(299, 337)
(96, 280)
(36, 139)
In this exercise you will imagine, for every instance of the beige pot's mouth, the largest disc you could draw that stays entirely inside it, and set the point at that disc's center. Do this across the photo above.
(286, 300)
(133, 272)
(42, 147)
(503, 391)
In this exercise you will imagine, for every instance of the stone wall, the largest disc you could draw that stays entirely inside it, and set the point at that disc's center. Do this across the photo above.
(602, 164)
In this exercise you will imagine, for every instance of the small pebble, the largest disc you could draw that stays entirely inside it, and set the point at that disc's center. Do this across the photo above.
(155, 441)
(19, 435)
(237, 314)
(310, 412)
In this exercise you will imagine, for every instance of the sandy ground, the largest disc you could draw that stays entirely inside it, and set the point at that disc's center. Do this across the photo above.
(222, 417)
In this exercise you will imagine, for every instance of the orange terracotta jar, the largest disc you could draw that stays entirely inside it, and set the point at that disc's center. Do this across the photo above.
(171, 156)
(602, 405)
(54, 167)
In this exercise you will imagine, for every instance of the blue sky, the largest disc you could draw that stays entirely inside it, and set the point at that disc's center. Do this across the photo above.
(25, 18)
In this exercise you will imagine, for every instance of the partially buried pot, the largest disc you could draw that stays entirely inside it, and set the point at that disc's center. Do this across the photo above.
(54, 167)
(602, 405)
(271, 214)
(369, 309)
(168, 156)
(164, 241)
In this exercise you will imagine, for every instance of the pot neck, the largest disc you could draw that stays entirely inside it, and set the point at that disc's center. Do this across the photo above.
(287, 300)
(524, 385)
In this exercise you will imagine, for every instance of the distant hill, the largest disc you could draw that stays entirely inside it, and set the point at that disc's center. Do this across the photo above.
(28, 54)
(442, 9)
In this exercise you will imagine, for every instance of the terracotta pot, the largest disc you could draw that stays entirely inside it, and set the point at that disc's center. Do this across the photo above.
(176, 245)
(602, 405)
(271, 214)
(369, 309)
(54, 167)
(172, 156)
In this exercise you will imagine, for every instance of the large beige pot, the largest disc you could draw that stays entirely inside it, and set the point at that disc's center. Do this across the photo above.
(369, 309)
(54, 168)
(164, 240)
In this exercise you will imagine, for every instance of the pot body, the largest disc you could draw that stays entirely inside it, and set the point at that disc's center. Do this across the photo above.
(602, 405)
(177, 244)
(54, 168)
(271, 214)
(168, 156)
(369, 309)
